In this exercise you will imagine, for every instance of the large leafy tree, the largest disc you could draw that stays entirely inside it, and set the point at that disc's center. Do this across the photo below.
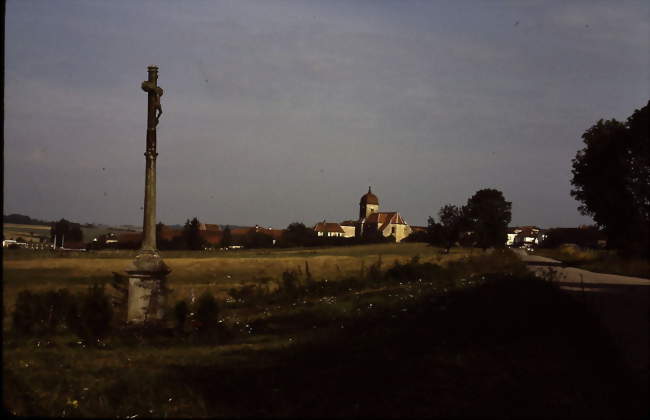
(488, 215)
(297, 234)
(452, 220)
(611, 180)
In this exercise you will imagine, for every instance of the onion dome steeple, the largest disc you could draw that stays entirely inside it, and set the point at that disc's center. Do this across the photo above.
(369, 198)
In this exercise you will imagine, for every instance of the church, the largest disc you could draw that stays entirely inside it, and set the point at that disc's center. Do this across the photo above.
(370, 220)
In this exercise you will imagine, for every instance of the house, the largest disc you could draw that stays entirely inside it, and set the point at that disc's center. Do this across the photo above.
(240, 234)
(524, 236)
(325, 229)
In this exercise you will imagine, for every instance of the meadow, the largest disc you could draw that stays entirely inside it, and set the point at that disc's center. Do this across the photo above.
(394, 331)
(194, 272)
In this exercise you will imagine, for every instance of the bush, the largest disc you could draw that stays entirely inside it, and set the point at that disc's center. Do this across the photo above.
(90, 318)
(181, 311)
(206, 315)
(25, 317)
(40, 313)
(290, 282)
(374, 271)
(57, 305)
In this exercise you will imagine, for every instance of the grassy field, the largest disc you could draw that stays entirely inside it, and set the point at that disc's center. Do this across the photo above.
(474, 336)
(600, 261)
(12, 230)
(196, 271)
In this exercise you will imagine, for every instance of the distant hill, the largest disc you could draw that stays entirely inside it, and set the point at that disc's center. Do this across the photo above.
(21, 219)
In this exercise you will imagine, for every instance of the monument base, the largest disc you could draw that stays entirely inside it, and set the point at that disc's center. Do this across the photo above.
(146, 288)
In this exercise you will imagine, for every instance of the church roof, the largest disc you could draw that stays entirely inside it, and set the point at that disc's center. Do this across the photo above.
(369, 198)
(382, 219)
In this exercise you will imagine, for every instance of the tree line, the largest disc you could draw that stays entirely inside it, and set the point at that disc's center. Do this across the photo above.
(482, 222)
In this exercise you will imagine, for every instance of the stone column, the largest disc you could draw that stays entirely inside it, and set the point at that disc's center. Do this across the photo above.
(147, 272)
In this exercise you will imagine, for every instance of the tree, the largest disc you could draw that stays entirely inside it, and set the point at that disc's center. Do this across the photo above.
(159, 240)
(452, 220)
(434, 233)
(611, 180)
(192, 235)
(255, 239)
(488, 215)
(297, 234)
(226, 238)
(64, 228)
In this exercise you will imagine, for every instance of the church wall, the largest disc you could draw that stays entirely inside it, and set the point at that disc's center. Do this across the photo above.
(401, 231)
(348, 231)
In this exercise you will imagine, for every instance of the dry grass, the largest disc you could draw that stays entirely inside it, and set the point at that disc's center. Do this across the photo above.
(195, 272)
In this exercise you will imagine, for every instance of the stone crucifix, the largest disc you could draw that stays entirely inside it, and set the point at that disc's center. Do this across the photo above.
(147, 272)
(154, 111)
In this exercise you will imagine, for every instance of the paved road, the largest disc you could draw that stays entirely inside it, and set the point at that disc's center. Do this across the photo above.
(621, 302)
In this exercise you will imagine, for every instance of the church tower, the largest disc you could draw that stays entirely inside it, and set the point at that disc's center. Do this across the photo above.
(368, 205)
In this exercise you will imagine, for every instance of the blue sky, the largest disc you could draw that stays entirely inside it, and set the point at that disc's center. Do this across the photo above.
(282, 111)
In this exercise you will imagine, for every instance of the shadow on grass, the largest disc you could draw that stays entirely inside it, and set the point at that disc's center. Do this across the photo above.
(511, 346)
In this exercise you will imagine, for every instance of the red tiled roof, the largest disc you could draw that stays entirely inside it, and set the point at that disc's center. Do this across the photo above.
(383, 219)
(328, 227)
(211, 237)
(167, 233)
(241, 231)
(129, 237)
(275, 233)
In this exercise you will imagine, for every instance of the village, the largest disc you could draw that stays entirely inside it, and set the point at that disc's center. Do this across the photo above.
(391, 225)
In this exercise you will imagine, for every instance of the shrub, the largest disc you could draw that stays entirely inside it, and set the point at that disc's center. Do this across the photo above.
(244, 293)
(24, 316)
(290, 282)
(90, 318)
(414, 271)
(40, 313)
(374, 271)
(207, 313)
(57, 305)
(181, 311)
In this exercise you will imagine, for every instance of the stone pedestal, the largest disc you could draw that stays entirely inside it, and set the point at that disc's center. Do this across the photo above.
(147, 275)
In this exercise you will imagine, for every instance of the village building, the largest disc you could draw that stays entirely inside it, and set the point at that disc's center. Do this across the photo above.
(349, 228)
(386, 223)
(525, 236)
(329, 230)
(370, 220)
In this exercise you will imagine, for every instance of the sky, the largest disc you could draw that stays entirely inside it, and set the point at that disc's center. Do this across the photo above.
(285, 111)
